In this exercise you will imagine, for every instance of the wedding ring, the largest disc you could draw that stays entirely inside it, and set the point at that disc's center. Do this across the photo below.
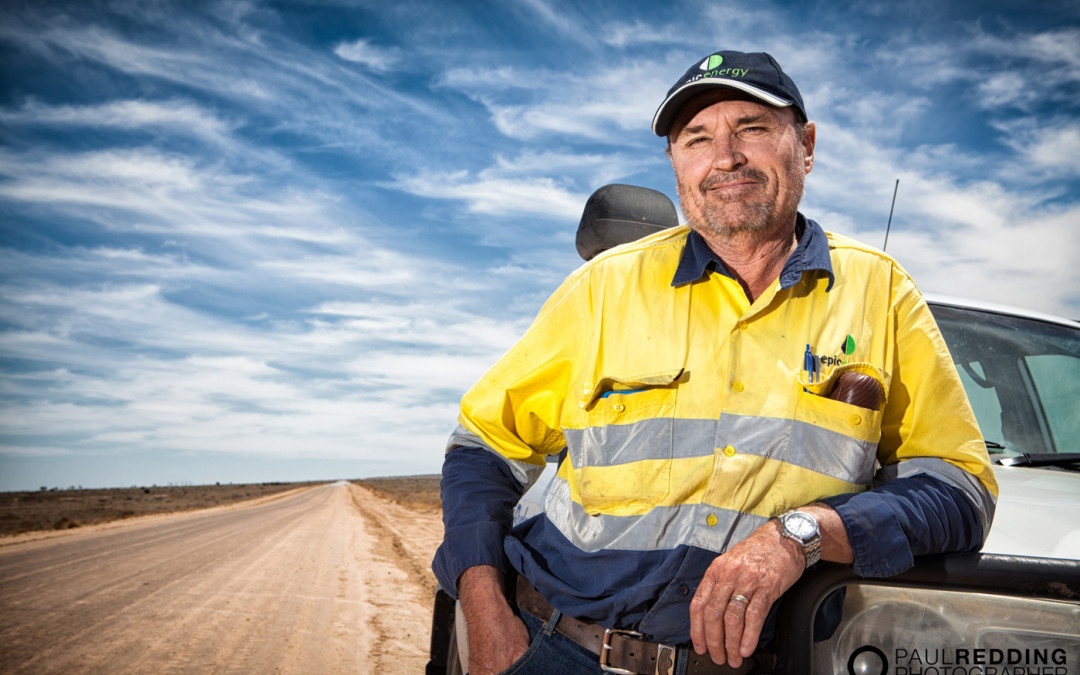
(740, 598)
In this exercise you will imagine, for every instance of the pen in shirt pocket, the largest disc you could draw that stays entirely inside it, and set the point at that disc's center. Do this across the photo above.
(810, 365)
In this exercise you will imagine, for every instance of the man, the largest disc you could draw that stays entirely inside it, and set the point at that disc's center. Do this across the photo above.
(687, 376)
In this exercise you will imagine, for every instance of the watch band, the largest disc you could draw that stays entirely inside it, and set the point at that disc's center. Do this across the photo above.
(812, 549)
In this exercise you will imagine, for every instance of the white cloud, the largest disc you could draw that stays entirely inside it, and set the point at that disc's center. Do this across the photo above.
(1055, 47)
(640, 33)
(147, 190)
(601, 104)
(569, 22)
(497, 196)
(179, 116)
(1050, 146)
(366, 54)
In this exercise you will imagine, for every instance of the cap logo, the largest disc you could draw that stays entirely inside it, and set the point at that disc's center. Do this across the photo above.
(713, 61)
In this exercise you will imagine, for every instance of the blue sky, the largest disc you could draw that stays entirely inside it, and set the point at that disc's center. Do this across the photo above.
(246, 241)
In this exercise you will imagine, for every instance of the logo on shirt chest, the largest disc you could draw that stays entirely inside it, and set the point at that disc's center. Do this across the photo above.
(813, 364)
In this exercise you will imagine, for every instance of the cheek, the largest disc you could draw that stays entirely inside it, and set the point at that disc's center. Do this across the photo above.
(691, 170)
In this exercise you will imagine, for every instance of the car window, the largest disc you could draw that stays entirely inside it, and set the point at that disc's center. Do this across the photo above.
(984, 399)
(1056, 378)
(1021, 375)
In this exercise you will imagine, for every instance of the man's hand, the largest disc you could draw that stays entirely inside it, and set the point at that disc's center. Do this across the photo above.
(758, 569)
(497, 637)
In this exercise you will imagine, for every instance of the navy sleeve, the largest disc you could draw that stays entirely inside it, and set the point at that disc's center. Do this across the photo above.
(478, 495)
(911, 516)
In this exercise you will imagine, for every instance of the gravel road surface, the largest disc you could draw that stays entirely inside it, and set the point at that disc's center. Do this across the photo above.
(330, 579)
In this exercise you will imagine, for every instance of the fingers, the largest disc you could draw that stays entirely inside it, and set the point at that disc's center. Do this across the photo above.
(734, 620)
(756, 613)
(721, 623)
(703, 613)
(716, 620)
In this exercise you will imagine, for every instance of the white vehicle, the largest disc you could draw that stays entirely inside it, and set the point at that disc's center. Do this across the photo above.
(1013, 608)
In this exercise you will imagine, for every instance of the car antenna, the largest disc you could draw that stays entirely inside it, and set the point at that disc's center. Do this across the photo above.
(891, 208)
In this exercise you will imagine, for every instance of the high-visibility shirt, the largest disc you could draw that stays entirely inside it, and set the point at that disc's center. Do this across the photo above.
(690, 416)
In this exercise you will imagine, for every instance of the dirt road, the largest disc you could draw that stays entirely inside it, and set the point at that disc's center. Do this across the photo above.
(331, 579)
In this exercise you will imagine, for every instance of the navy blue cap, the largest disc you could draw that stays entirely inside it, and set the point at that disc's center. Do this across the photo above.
(756, 74)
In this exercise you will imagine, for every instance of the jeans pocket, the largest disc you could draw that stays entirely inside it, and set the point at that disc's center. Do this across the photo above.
(536, 637)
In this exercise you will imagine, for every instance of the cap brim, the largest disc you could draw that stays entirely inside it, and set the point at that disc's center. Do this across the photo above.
(665, 114)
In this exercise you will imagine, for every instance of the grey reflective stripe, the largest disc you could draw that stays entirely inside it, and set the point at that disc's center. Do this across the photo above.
(657, 438)
(983, 500)
(463, 438)
(662, 528)
(801, 444)
(832, 453)
(797, 443)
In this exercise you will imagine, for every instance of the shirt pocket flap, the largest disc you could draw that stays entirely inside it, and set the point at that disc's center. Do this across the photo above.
(608, 384)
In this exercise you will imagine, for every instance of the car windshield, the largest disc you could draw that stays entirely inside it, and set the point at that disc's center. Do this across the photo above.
(1022, 377)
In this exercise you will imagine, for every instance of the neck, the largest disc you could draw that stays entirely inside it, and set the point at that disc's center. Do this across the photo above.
(755, 259)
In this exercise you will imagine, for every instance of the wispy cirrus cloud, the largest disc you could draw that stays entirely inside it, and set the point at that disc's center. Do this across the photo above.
(497, 196)
(362, 51)
(177, 116)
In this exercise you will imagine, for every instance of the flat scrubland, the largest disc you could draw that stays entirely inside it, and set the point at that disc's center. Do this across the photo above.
(420, 492)
(41, 510)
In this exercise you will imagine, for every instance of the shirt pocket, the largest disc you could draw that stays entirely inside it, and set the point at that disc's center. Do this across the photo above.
(622, 457)
(835, 438)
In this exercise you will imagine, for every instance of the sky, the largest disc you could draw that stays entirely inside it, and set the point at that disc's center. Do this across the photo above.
(248, 241)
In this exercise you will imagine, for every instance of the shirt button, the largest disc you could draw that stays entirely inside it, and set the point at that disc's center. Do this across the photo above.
(619, 407)
(711, 519)
(736, 387)
(743, 325)
(683, 590)
(856, 420)
(729, 451)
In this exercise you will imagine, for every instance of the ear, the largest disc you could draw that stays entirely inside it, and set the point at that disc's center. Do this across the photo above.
(809, 139)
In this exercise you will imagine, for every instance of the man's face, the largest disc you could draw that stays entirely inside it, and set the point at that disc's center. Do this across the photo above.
(739, 165)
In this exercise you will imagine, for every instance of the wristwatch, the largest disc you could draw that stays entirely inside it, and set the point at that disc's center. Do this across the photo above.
(803, 528)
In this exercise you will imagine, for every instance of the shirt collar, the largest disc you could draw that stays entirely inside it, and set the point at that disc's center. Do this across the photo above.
(810, 254)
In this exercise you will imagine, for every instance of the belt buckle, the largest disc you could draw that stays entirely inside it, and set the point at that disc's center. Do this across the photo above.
(605, 647)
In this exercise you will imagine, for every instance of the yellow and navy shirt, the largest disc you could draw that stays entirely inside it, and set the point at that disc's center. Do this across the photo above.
(689, 416)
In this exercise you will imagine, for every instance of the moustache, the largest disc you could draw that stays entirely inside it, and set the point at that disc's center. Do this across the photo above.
(740, 175)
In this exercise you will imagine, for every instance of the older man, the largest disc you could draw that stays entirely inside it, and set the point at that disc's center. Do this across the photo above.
(688, 376)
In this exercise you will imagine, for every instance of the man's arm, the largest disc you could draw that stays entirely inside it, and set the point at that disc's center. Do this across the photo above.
(479, 491)
(906, 517)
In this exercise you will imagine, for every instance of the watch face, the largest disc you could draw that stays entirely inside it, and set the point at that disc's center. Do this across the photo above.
(801, 525)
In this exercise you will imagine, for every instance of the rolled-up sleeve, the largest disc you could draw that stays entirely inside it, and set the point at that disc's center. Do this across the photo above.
(478, 496)
(904, 518)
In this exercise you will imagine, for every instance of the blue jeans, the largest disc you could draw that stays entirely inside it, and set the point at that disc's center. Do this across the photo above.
(552, 653)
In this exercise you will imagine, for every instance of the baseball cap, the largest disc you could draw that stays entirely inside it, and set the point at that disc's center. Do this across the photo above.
(757, 74)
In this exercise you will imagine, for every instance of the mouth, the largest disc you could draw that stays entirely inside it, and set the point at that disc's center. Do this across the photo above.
(732, 185)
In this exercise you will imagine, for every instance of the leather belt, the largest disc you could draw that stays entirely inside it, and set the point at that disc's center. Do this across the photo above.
(623, 651)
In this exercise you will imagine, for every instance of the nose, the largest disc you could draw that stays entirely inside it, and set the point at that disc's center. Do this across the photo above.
(726, 154)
